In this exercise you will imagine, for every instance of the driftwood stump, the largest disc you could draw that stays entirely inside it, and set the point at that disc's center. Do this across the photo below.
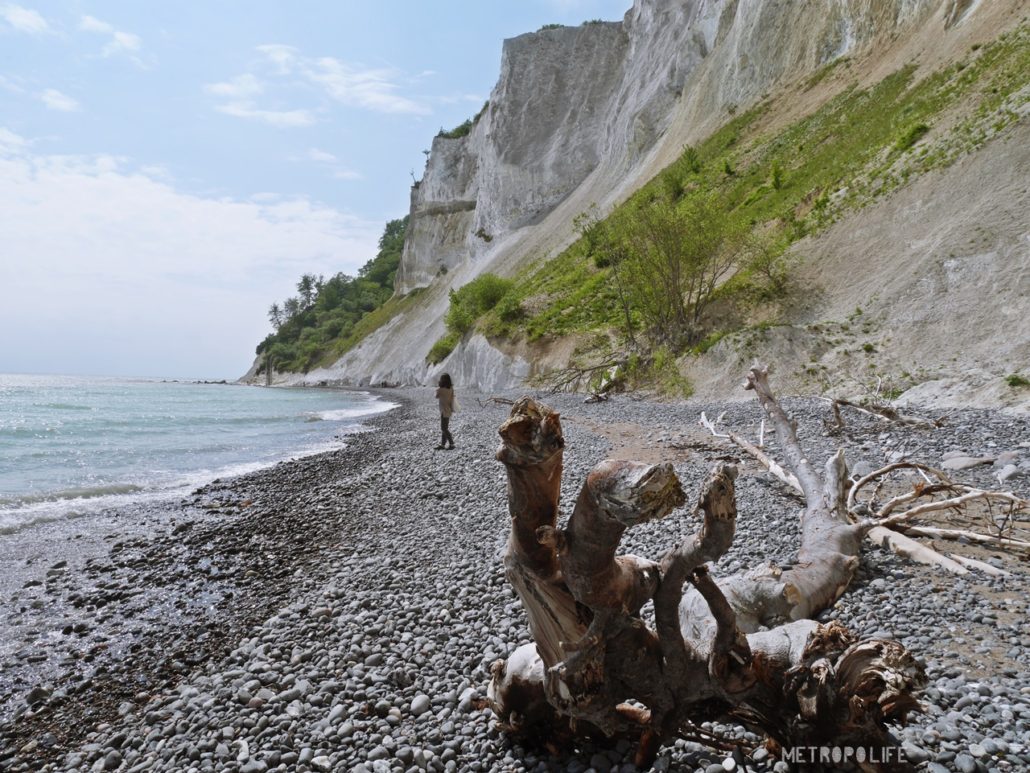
(740, 649)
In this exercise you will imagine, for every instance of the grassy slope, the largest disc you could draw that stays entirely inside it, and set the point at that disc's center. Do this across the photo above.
(369, 323)
(858, 146)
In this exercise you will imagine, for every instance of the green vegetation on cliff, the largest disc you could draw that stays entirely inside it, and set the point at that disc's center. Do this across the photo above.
(467, 304)
(699, 251)
(463, 128)
(328, 317)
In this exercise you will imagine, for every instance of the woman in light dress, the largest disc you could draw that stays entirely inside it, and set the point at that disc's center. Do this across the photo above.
(448, 405)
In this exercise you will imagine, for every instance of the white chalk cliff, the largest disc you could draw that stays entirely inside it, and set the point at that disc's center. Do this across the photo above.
(585, 115)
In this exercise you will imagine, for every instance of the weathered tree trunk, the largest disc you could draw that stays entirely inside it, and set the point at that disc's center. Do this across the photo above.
(799, 682)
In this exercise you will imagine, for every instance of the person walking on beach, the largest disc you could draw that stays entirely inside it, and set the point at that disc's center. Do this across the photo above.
(448, 405)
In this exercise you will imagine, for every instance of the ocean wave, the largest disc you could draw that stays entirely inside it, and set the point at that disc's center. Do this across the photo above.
(34, 432)
(27, 515)
(79, 492)
(26, 512)
(342, 414)
(9, 524)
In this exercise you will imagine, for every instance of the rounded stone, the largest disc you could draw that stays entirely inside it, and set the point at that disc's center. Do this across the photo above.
(420, 705)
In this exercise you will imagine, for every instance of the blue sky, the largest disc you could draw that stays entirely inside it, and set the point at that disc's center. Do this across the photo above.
(167, 170)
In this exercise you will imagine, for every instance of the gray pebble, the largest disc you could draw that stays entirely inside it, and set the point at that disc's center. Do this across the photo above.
(420, 705)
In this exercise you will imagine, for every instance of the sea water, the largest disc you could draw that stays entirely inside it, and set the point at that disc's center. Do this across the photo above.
(72, 446)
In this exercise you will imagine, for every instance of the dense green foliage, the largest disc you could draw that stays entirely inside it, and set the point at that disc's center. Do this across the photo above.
(467, 304)
(328, 316)
(911, 137)
(443, 347)
(459, 131)
(472, 300)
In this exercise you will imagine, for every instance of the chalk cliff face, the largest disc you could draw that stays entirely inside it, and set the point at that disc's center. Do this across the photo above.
(540, 136)
(583, 116)
(573, 100)
(442, 210)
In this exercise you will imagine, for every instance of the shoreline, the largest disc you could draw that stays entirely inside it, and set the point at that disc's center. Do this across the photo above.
(69, 529)
(53, 571)
(345, 608)
(82, 499)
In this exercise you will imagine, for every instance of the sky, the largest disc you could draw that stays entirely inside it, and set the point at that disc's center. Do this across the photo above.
(168, 170)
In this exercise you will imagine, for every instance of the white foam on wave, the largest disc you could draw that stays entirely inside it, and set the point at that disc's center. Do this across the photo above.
(42, 510)
(29, 512)
(373, 408)
(26, 516)
(81, 492)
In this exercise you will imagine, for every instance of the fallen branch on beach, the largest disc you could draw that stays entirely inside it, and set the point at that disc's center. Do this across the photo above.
(884, 523)
(573, 377)
(879, 411)
(970, 536)
(740, 649)
(495, 400)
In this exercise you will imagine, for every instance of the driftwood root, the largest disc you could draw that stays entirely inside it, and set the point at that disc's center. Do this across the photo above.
(596, 668)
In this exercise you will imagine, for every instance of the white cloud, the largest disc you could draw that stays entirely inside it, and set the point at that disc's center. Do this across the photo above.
(240, 87)
(10, 142)
(368, 88)
(278, 118)
(241, 92)
(355, 86)
(283, 57)
(141, 271)
(119, 41)
(8, 84)
(453, 99)
(24, 19)
(329, 160)
(322, 156)
(55, 100)
(157, 172)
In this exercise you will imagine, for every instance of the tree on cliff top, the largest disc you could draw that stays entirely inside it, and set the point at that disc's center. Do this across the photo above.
(325, 311)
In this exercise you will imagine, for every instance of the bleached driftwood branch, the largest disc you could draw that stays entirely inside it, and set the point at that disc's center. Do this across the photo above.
(882, 412)
(878, 525)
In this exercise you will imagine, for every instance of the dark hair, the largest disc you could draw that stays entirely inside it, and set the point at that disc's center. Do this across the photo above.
(445, 381)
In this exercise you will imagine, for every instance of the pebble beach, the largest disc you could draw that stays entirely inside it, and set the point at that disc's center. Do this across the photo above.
(340, 612)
